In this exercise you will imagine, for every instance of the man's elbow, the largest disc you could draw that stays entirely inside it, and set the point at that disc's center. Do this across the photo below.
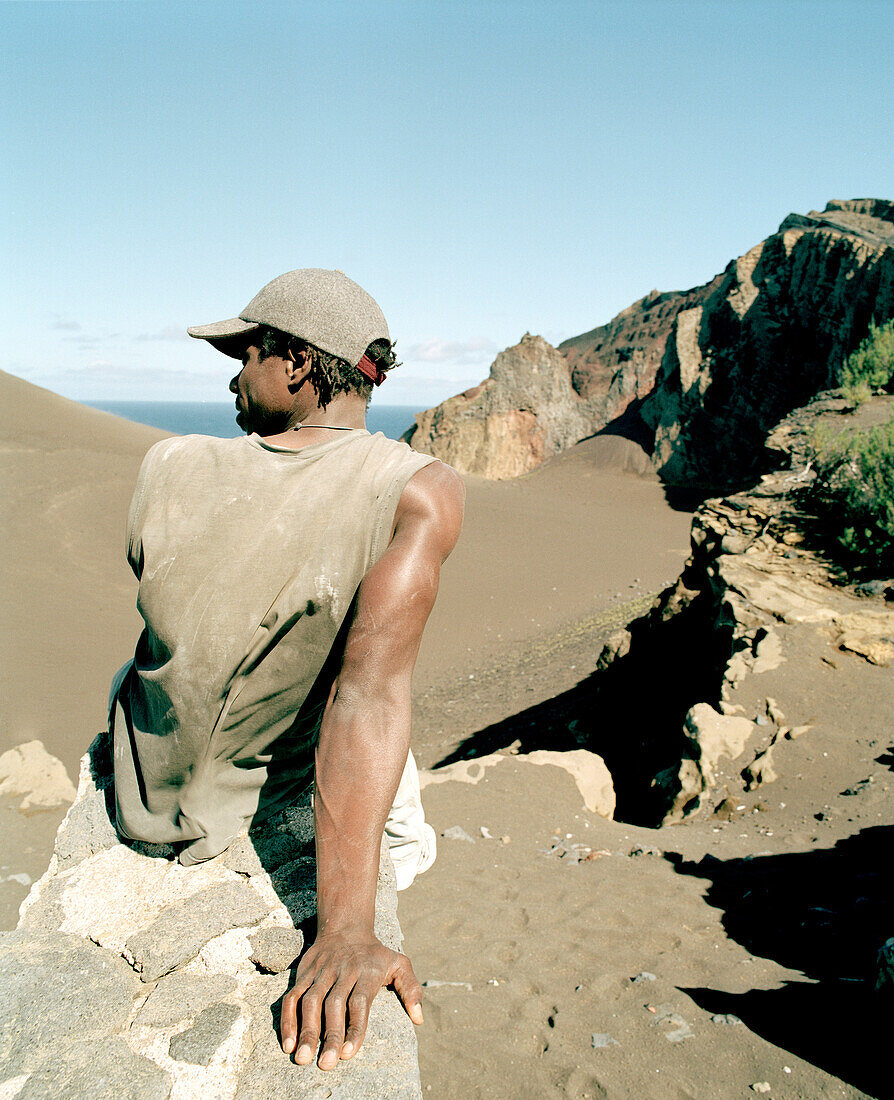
(366, 693)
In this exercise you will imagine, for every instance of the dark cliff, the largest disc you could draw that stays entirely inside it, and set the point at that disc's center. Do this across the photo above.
(699, 376)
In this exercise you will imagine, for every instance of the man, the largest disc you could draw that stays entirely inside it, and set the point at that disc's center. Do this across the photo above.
(285, 581)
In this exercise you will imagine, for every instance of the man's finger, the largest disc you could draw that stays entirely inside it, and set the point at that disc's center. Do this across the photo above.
(288, 1015)
(334, 1015)
(359, 1004)
(311, 1012)
(407, 987)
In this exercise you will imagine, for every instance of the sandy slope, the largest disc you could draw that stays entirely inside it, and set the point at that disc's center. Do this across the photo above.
(529, 952)
(67, 597)
(772, 917)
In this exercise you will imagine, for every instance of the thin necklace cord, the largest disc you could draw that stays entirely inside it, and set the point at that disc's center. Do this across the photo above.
(331, 427)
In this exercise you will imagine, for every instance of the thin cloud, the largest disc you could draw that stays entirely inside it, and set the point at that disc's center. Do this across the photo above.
(169, 332)
(436, 350)
(106, 370)
(85, 340)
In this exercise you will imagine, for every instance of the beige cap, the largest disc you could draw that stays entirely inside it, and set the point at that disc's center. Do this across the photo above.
(325, 308)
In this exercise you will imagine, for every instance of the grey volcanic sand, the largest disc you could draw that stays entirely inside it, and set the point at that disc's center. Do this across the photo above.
(67, 595)
(529, 955)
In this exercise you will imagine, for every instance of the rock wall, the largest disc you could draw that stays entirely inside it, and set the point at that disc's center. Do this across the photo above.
(618, 362)
(756, 570)
(131, 977)
(524, 412)
(770, 335)
(697, 376)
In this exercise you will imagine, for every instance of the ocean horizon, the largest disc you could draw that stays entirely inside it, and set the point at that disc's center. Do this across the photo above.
(218, 418)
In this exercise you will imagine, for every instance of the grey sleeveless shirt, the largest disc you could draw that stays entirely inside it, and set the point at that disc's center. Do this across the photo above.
(248, 558)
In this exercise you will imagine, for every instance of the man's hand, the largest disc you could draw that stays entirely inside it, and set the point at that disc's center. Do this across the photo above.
(336, 983)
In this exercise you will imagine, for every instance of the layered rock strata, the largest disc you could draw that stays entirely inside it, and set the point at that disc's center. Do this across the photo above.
(756, 568)
(697, 377)
(131, 977)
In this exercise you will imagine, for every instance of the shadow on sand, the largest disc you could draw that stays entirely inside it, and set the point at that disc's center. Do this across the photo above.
(826, 913)
(631, 712)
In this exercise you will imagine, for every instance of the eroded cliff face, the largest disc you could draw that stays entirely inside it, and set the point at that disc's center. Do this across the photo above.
(770, 335)
(618, 361)
(700, 376)
(756, 593)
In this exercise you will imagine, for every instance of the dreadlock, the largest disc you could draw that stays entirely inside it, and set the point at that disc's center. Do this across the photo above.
(329, 375)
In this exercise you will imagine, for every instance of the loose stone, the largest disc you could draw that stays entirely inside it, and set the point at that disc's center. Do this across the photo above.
(273, 950)
(199, 1043)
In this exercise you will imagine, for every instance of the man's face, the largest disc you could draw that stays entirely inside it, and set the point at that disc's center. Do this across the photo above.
(263, 398)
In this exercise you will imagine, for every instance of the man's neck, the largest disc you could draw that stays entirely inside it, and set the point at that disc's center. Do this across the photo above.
(317, 425)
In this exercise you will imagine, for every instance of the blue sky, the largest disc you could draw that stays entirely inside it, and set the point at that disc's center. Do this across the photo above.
(483, 169)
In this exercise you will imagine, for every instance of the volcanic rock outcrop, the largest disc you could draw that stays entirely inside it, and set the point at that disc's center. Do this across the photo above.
(769, 336)
(524, 412)
(756, 587)
(699, 376)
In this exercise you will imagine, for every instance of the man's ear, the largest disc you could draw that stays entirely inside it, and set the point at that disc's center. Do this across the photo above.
(298, 360)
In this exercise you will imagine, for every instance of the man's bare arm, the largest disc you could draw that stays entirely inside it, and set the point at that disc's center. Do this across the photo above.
(363, 746)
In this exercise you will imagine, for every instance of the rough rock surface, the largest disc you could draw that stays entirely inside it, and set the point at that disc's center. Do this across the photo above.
(132, 976)
(30, 771)
(709, 738)
(589, 773)
(273, 950)
(524, 412)
(767, 338)
(698, 377)
(756, 574)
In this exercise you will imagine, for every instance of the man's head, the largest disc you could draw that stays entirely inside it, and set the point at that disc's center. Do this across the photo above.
(320, 314)
(330, 375)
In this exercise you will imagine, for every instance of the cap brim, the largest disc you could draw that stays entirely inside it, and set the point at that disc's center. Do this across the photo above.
(221, 332)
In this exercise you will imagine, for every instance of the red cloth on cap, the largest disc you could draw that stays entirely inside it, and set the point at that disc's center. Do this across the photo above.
(368, 368)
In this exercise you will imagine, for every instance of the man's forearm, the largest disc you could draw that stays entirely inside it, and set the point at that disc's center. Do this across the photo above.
(363, 746)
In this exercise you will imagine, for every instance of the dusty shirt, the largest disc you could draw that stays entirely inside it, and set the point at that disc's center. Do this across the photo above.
(248, 558)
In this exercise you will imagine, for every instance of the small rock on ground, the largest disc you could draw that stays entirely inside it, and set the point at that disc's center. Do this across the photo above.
(273, 950)
(198, 1043)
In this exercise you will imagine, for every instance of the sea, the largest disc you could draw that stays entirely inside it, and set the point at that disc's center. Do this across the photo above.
(219, 417)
